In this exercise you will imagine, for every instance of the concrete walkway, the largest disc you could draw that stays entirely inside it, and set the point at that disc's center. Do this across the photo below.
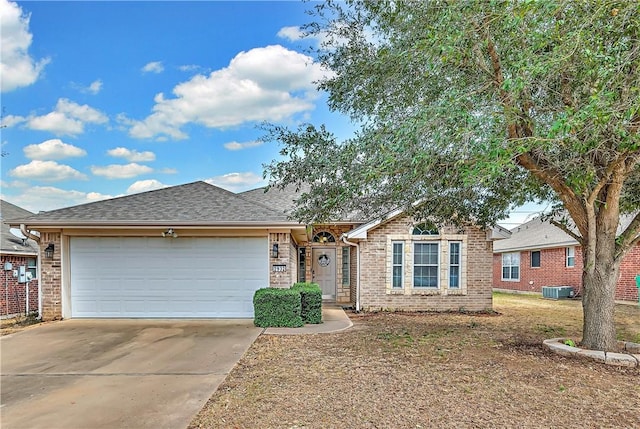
(334, 319)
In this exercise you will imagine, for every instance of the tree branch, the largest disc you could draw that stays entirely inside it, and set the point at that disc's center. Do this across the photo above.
(566, 229)
(553, 178)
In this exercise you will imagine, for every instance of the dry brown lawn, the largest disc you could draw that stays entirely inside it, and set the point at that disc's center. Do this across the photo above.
(395, 370)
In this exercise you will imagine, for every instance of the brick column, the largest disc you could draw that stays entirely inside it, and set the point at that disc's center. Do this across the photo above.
(281, 279)
(51, 277)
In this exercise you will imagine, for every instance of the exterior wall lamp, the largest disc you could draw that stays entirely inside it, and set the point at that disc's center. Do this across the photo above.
(274, 250)
(170, 233)
(48, 251)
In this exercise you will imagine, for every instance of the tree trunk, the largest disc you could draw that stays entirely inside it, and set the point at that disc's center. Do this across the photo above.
(599, 280)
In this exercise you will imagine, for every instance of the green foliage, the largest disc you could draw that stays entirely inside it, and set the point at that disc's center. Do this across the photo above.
(473, 107)
(274, 307)
(444, 122)
(569, 343)
(311, 302)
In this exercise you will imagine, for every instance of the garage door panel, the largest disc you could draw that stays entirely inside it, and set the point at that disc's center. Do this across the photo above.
(156, 277)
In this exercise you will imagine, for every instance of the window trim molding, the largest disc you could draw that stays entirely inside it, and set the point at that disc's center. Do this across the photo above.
(531, 252)
(443, 241)
(502, 278)
(401, 264)
(567, 256)
(346, 251)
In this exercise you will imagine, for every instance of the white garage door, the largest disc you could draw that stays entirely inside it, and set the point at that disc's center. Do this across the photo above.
(166, 277)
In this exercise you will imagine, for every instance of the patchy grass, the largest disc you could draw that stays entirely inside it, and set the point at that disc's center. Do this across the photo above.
(18, 323)
(395, 370)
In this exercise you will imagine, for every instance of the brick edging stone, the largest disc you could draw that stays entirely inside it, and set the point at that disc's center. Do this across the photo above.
(630, 359)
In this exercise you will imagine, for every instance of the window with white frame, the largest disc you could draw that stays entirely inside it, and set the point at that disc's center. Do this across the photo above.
(511, 266)
(346, 272)
(455, 251)
(32, 268)
(570, 253)
(397, 264)
(425, 265)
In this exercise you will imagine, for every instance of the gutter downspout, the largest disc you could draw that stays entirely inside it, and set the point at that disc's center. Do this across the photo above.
(357, 246)
(27, 233)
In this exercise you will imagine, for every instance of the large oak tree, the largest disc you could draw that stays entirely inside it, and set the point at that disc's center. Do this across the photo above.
(473, 107)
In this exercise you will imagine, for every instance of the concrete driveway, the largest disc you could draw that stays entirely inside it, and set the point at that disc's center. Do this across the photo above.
(116, 373)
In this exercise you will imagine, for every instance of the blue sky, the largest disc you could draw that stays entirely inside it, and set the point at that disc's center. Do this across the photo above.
(103, 99)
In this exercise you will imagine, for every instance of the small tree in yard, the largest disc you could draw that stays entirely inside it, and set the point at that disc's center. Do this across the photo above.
(473, 107)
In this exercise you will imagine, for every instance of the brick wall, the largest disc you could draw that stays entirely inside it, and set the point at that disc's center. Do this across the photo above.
(554, 272)
(281, 279)
(375, 262)
(51, 278)
(626, 289)
(13, 295)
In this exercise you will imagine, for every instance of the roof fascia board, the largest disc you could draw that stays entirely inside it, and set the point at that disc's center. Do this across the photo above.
(160, 224)
(360, 233)
(537, 247)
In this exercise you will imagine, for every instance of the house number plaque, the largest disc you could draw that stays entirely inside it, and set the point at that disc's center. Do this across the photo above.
(278, 268)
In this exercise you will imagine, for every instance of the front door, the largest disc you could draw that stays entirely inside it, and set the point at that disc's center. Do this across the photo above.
(324, 271)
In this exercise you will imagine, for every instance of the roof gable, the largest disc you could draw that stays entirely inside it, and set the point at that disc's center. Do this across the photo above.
(9, 243)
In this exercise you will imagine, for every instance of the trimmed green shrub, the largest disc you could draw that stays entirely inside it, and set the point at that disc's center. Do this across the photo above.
(275, 307)
(311, 302)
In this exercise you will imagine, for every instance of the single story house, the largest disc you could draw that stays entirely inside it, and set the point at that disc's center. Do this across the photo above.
(196, 250)
(19, 259)
(539, 254)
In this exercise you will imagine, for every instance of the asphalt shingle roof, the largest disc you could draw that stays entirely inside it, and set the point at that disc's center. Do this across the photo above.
(10, 243)
(282, 200)
(197, 203)
(537, 234)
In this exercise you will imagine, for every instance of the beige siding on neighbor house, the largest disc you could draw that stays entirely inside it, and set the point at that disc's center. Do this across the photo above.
(475, 289)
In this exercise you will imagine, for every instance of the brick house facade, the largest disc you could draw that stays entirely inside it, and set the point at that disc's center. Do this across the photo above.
(355, 262)
(549, 257)
(18, 294)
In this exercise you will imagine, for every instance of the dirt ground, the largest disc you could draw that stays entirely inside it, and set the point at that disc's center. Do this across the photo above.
(18, 323)
(393, 370)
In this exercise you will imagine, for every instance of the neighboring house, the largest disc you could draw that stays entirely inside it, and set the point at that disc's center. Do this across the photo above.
(19, 256)
(540, 254)
(196, 250)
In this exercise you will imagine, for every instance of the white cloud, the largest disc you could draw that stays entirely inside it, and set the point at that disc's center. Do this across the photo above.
(295, 33)
(93, 88)
(17, 67)
(153, 67)
(68, 118)
(189, 67)
(264, 84)
(291, 33)
(244, 145)
(144, 186)
(12, 120)
(47, 171)
(43, 198)
(237, 182)
(117, 171)
(168, 171)
(131, 155)
(52, 149)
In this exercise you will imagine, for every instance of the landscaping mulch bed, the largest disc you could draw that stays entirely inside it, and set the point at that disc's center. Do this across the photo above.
(397, 370)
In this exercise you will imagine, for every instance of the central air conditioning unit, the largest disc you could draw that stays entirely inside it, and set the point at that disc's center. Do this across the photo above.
(557, 292)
